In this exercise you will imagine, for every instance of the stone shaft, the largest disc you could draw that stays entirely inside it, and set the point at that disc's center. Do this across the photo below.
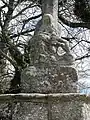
(50, 7)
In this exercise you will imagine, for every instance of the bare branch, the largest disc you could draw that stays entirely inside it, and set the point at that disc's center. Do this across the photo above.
(74, 25)
(9, 14)
(34, 17)
(4, 2)
(14, 51)
(8, 58)
(22, 33)
(83, 57)
(29, 6)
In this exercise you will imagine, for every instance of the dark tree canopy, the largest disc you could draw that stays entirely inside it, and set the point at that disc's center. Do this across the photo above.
(82, 10)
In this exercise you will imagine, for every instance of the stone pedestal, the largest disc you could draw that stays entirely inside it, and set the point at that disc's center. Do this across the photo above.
(49, 71)
(53, 79)
(50, 79)
(50, 111)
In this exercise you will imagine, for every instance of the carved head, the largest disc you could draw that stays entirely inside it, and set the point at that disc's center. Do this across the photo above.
(47, 19)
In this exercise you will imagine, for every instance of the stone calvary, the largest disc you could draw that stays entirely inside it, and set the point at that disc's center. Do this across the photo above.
(50, 71)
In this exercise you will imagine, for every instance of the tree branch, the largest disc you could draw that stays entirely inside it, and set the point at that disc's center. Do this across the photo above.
(21, 33)
(27, 31)
(8, 58)
(31, 5)
(83, 57)
(14, 51)
(74, 25)
(34, 17)
(9, 14)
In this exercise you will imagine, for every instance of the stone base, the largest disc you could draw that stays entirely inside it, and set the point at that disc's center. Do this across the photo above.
(49, 79)
(49, 111)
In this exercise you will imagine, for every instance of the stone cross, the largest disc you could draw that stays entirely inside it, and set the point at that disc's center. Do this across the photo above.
(49, 71)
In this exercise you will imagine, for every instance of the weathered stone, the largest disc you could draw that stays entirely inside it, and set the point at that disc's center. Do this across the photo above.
(49, 111)
(50, 71)
(48, 49)
(49, 79)
(51, 7)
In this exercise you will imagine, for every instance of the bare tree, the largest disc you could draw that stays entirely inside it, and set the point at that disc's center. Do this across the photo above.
(18, 19)
(75, 16)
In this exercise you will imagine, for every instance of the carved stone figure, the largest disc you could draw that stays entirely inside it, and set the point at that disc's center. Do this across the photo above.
(52, 47)
(50, 71)
(47, 25)
(47, 62)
